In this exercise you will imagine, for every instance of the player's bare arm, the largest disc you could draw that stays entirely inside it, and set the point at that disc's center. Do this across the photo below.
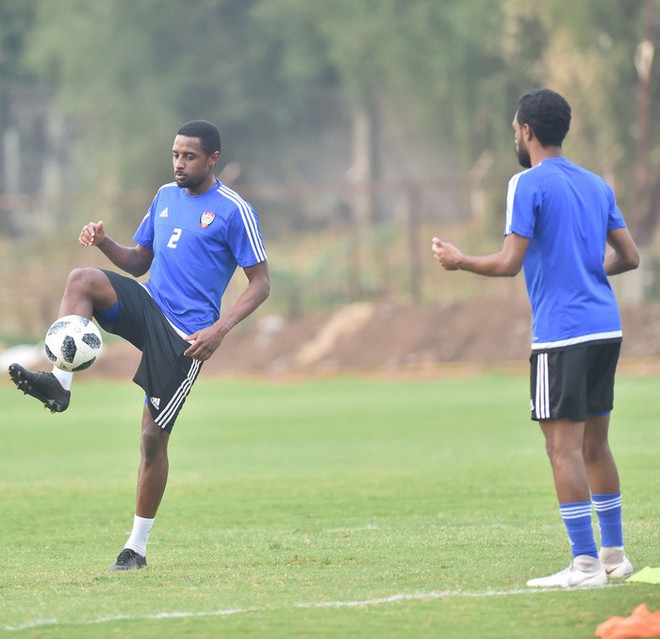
(505, 263)
(208, 340)
(625, 256)
(135, 260)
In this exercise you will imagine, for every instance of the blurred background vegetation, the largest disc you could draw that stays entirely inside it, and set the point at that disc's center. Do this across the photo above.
(358, 129)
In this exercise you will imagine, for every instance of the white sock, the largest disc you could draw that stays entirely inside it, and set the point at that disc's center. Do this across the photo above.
(65, 378)
(139, 535)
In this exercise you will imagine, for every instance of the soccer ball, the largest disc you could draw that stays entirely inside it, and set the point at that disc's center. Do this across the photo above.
(73, 343)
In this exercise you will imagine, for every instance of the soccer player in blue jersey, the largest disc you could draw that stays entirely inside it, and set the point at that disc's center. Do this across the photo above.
(194, 235)
(559, 219)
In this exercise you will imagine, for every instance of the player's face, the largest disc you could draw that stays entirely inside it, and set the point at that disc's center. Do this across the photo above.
(521, 147)
(193, 169)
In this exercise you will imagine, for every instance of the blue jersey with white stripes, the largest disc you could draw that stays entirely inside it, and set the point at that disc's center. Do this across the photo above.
(197, 241)
(566, 212)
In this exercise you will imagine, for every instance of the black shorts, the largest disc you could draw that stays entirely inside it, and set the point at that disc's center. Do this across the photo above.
(574, 383)
(165, 374)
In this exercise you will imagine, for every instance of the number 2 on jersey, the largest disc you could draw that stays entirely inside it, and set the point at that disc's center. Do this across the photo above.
(176, 234)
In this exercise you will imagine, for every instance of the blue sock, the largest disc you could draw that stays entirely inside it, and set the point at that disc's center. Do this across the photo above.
(577, 518)
(608, 510)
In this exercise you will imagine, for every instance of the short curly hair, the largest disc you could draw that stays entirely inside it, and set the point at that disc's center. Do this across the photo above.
(547, 113)
(207, 133)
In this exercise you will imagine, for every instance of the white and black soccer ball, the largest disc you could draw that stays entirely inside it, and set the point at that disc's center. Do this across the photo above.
(73, 343)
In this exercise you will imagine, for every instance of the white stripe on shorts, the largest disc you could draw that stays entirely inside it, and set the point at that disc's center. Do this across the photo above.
(179, 396)
(542, 399)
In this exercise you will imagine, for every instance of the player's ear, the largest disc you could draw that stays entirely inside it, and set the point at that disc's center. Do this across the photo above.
(528, 132)
(214, 157)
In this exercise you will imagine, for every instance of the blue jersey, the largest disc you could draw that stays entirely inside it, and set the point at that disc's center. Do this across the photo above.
(566, 212)
(197, 241)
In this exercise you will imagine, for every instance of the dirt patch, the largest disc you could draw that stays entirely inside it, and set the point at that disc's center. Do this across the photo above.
(390, 337)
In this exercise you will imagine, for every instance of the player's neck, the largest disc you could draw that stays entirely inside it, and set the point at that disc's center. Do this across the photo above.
(540, 153)
(203, 187)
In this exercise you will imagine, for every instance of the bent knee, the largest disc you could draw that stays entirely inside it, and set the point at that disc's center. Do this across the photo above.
(91, 284)
(84, 279)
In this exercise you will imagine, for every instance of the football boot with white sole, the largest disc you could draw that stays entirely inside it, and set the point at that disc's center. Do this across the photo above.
(584, 572)
(615, 562)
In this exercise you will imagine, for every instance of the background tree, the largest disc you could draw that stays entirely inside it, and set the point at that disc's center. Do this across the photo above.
(16, 21)
(127, 69)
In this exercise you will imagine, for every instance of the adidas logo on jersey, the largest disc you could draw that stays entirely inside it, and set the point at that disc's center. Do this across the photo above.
(155, 401)
(164, 213)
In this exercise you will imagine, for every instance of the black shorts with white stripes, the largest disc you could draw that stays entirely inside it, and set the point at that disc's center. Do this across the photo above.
(574, 383)
(165, 374)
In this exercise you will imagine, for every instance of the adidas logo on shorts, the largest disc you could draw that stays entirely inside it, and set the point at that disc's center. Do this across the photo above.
(155, 402)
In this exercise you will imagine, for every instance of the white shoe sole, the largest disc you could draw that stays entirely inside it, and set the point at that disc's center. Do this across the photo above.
(595, 581)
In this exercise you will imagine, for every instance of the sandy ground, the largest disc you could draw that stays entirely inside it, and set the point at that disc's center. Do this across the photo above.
(396, 340)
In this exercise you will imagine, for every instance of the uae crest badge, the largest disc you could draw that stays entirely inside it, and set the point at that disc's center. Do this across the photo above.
(207, 219)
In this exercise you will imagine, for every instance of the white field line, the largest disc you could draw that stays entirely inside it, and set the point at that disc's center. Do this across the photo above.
(379, 601)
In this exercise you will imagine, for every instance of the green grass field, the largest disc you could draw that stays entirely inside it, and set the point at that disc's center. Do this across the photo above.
(343, 507)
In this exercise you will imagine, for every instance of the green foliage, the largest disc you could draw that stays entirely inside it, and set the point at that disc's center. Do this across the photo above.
(16, 21)
(290, 503)
(129, 70)
(137, 69)
(440, 60)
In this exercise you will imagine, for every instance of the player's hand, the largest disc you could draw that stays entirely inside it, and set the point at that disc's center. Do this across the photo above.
(204, 343)
(447, 254)
(92, 234)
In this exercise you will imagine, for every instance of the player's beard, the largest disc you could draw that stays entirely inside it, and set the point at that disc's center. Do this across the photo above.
(523, 155)
(188, 182)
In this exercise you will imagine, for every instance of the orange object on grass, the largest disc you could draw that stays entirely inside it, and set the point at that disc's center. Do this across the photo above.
(641, 623)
